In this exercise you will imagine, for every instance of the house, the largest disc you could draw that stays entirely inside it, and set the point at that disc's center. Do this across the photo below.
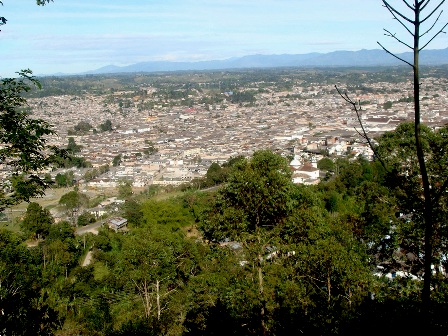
(118, 223)
(306, 174)
(98, 212)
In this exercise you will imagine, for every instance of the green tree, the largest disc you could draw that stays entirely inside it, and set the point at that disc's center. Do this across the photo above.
(215, 174)
(405, 180)
(72, 146)
(37, 221)
(257, 195)
(124, 189)
(151, 148)
(23, 140)
(326, 164)
(116, 161)
(335, 269)
(82, 127)
(60, 251)
(133, 212)
(251, 207)
(387, 105)
(86, 218)
(333, 201)
(61, 180)
(23, 310)
(73, 201)
(167, 213)
(153, 265)
(106, 126)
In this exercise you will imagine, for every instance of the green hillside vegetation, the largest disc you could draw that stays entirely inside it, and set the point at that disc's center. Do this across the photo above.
(257, 255)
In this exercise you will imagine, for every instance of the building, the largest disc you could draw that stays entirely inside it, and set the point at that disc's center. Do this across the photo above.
(118, 223)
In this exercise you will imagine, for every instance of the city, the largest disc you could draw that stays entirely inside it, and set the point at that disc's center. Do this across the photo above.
(199, 122)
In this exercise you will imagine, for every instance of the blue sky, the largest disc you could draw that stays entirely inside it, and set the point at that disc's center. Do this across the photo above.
(79, 35)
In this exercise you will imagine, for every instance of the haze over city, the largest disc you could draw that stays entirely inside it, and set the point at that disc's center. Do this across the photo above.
(73, 37)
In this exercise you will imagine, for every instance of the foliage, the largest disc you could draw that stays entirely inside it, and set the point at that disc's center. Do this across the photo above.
(167, 213)
(300, 259)
(256, 195)
(124, 189)
(94, 173)
(106, 126)
(387, 105)
(72, 146)
(73, 199)
(81, 128)
(405, 182)
(117, 160)
(215, 174)
(133, 212)
(326, 164)
(306, 268)
(243, 97)
(86, 218)
(64, 179)
(151, 148)
(37, 221)
(24, 143)
(23, 310)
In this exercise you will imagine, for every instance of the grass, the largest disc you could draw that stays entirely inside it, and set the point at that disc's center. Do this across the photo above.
(13, 224)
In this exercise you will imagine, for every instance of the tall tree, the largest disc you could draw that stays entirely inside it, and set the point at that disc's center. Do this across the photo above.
(37, 221)
(72, 201)
(414, 25)
(252, 206)
(414, 17)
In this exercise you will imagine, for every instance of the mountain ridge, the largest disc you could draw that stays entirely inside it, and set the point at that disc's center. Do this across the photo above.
(342, 58)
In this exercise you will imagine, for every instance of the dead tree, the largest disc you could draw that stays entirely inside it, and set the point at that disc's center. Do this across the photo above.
(413, 24)
(419, 21)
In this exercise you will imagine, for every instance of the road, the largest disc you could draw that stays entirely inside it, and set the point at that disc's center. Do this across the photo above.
(93, 228)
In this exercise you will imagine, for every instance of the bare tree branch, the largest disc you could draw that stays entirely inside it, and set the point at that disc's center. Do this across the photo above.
(426, 4)
(392, 10)
(438, 33)
(426, 32)
(402, 23)
(389, 34)
(390, 53)
(407, 4)
(357, 108)
(360, 134)
(435, 9)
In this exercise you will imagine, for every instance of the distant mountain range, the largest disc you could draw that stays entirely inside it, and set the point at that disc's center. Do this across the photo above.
(361, 58)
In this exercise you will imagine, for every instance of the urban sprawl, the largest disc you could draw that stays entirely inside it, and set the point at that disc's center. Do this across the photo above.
(170, 139)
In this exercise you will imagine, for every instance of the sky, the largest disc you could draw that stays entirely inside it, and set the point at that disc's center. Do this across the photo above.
(73, 36)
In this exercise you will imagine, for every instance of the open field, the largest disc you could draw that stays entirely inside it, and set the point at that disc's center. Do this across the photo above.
(49, 201)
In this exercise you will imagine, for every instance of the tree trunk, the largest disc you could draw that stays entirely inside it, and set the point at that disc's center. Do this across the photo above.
(263, 304)
(158, 299)
(426, 293)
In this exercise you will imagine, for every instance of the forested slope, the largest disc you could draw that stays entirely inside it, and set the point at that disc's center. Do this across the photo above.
(257, 256)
